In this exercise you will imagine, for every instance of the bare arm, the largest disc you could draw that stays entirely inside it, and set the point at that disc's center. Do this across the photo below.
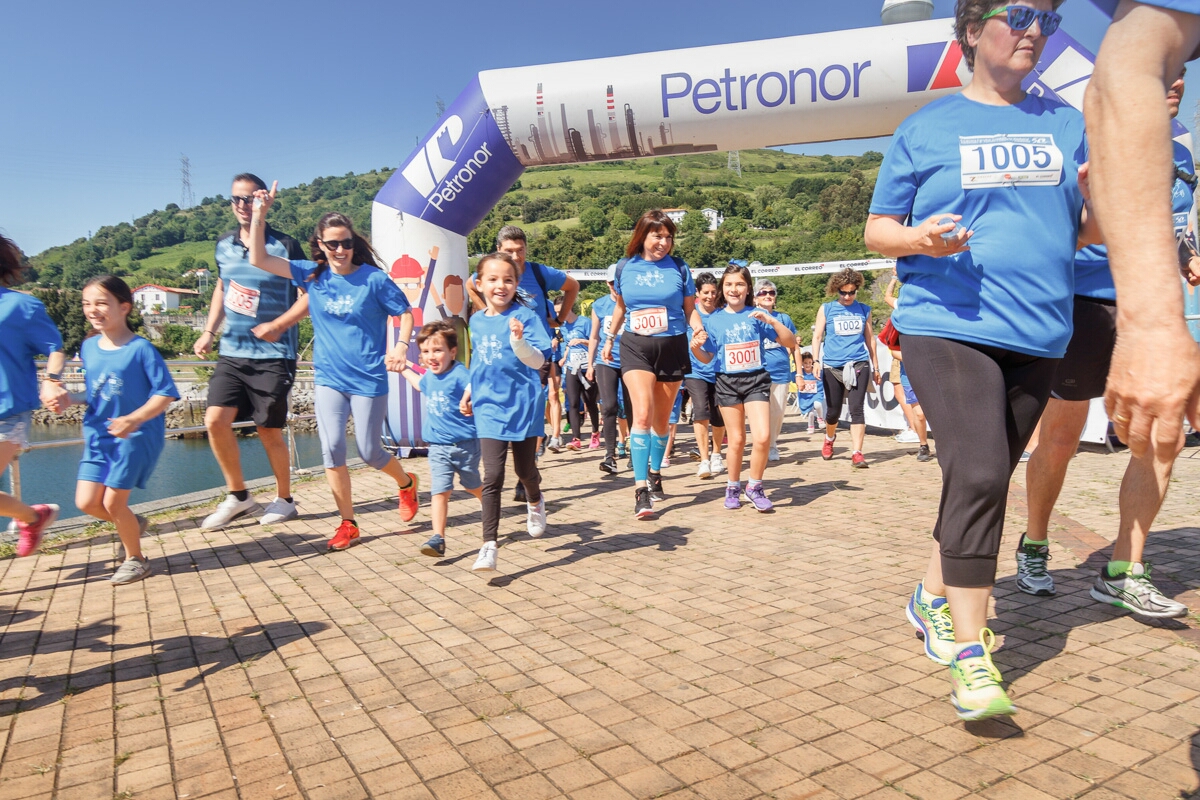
(473, 293)
(818, 336)
(593, 342)
(570, 290)
(216, 318)
(410, 375)
(121, 427)
(53, 394)
(614, 325)
(887, 235)
(397, 359)
(271, 331)
(259, 257)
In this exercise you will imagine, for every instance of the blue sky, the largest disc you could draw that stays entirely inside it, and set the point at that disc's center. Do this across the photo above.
(103, 98)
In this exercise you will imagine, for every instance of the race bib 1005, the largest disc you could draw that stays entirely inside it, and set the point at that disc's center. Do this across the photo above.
(847, 326)
(743, 357)
(241, 300)
(648, 321)
(1029, 159)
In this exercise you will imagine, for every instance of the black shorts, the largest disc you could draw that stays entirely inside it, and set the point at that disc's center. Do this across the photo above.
(549, 367)
(257, 388)
(666, 356)
(704, 401)
(1083, 371)
(743, 387)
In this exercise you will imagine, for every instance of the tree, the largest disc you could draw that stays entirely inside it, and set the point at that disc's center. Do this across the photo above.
(176, 340)
(140, 248)
(693, 222)
(848, 203)
(593, 220)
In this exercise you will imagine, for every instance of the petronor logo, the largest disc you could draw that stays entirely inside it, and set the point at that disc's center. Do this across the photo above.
(430, 164)
(934, 66)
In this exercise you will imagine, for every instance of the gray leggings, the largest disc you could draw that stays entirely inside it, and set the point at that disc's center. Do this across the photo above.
(333, 410)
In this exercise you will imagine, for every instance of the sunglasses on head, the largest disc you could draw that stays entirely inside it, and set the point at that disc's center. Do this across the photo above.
(1021, 17)
(242, 200)
(338, 244)
(766, 293)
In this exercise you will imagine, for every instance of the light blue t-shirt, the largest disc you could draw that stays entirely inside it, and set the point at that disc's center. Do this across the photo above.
(350, 317)
(581, 328)
(1093, 278)
(603, 308)
(705, 372)
(844, 341)
(806, 381)
(254, 296)
(28, 333)
(1013, 289)
(653, 292)
(776, 357)
(442, 422)
(505, 392)
(737, 340)
(554, 279)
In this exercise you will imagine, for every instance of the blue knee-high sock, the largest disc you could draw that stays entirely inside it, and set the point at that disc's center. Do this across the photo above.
(639, 451)
(658, 448)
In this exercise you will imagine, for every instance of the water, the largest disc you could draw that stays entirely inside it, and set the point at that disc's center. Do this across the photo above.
(186, 465)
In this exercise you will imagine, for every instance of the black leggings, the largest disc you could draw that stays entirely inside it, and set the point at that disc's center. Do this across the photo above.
(984, 403)
(608, 379)
(495, 455)
(835, 392)
(574, 385)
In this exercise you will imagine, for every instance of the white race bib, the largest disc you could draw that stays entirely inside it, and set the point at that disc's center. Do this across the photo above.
(743, 357)
(576, 358)
(240, 300)
(847, 326)
(1028, 159)
(648, 321)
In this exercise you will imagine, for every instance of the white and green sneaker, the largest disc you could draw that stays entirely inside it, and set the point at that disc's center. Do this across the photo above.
(1032, 576)
(933, 624)
(977, 693)
(1135, 592)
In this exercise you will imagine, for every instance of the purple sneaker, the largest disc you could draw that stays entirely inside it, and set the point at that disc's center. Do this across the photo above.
(733, 496)
(759, 498)
(30, 534)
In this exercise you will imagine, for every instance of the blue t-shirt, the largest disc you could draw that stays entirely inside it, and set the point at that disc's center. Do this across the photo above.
(705, 372)
(737, 340)
(350, 317)
(28, 333)
(554, 279)
(603, 308)
(653, 292)
(120, 382)
(254, 296)
(1093, 278)
(809, 390)
(776, 357)
(844, 341)
(1013, 289)
(442, 422)
(505, 392)
(1186, 6)
(581, 328)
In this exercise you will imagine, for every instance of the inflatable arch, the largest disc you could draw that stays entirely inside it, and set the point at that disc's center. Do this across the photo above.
(849, 84)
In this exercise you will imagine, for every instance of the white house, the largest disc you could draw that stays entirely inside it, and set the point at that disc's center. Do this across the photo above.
(151, 297)
(714, 217)
(676, 215)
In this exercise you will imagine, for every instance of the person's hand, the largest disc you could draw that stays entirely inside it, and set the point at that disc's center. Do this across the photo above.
(606, 353)
(203, 345)
(121, 427)
(553, 322)
(266, 331)
(54, 396)
(928, 241)
(1191, 273)
(397, 359)
(263, 200)
(516, 329)
(875, 377)
(817, 369)
(464, 405)
(1085, 184)
(590, 374)
(1147, 397)
(699, 338)
(761, 315)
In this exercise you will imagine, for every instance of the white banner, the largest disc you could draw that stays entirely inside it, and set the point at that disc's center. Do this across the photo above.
(760, 271)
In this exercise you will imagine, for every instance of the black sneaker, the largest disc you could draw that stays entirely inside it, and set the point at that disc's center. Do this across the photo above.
(609, 465)
(519, 494)
(656, 486)
(923, 453)
(435, 547)
(642, 507)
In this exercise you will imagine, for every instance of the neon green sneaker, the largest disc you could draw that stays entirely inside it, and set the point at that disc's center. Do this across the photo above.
(933, 624)
(977, 693)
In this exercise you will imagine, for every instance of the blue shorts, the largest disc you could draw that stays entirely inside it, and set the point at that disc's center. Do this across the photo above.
(119, 463)
(910, 396)
(15, 429)
(447, 459)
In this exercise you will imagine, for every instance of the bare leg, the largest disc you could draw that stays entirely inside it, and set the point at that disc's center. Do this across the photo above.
(555, 407)
(718, 434)
(275, 445)
(701, 431)
(89, 498)
(116, 503)
(735, 424)
(759, 415)
(339, 484)
(858, 433)
(397, 473)
(223, 441)
(969, 610)
(920, 424)
(439, 510)
(9, 505)
(1061, 424)
(1142, 492)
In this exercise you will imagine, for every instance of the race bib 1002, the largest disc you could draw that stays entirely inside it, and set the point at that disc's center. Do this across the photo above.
(648, 321)
(1028, 159)
(241, 300)
(743, 357)
(847, 326)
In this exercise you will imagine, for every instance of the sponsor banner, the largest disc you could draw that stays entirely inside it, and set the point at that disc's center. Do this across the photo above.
(761, 271)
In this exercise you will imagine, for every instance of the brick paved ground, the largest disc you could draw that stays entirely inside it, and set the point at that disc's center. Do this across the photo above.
(709, 654)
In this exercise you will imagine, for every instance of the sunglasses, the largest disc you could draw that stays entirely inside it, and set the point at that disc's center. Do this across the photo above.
(338, 244)
(241, 200)
(848, 294)
(1021, 17)
(766, 293)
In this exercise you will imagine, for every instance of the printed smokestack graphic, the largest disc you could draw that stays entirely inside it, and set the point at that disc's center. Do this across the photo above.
(594, 131)
(545, 140)
(614, 132)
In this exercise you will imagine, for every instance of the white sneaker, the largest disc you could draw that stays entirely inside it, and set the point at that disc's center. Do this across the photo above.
(487, 558)
(230, 509)
(704, 471)
(908, 436)
(279, 510)
(773, 455)
(716, 464)
(536, 521)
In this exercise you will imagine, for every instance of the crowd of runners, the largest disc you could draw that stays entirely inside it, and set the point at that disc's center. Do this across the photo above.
(1005, 313)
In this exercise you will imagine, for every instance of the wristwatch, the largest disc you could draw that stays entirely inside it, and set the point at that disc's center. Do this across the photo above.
(55, 376)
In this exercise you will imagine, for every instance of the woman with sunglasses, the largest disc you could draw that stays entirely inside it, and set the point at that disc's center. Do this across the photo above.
(846, 365)
(778, 361)
(986, 309)
(351, 299)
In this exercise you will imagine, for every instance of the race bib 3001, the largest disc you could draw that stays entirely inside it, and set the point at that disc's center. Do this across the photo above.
(1028, 159)
(648, 321)
(241, 300)
(743, 357)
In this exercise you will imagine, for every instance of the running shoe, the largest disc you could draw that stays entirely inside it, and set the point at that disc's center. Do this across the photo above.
(535, 522)
(279, 510)
(759, 498)
(575, 446)
(704, 471)
(555, 444)
(933, 624)
(519, 494)
(486, 562)
(345, 537)
(716, 464)
(620, 449)
(907, 436)
(773, 454)
(694, 454)
(642, 507)
(858, 461)
(977, 693)
(827, 448)
(408, 498)
(595, 443)
(733, 497)
(29, 534)
(655, 485)
(609, 465)
(811, 429)
(923, 453)
(1135, 592)
(666, 461)
(230, 509)
(435, 547)
(1032, 577)
(132, 571)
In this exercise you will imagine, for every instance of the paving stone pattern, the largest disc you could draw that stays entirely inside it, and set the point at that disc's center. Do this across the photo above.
(708, 654)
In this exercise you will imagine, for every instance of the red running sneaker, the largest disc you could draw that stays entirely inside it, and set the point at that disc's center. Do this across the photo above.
(575, 446)
(858, 460)
(408, 499)
(346, 536)
(827, 448)
(29, 534)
